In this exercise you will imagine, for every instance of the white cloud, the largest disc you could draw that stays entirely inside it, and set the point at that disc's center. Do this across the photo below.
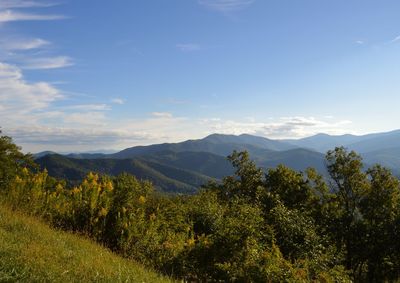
(12, 16)
(27, 113)
(82, 119)
(39, 138)
(282, 128)
(23, 44)
(118, 101)
(162, 114)
(92, 130)
(187, 47)
(24, 103)
(360, 42)
(225, 5)
(90, 107)
(19, 98)
(16, 49)
(7, 4)
(48, 62)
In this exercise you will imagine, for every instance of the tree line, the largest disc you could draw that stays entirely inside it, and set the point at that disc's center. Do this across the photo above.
(282, 225)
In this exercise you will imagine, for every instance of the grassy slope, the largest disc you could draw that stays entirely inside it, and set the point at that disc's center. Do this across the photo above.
(30, 251)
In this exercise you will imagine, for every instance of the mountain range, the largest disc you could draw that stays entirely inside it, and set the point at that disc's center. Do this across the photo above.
(183, 167)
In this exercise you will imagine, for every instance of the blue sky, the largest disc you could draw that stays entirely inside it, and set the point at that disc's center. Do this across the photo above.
(80, 75)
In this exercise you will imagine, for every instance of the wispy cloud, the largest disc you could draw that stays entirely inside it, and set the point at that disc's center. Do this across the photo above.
(82, 119)
(13, 16)
(30, 111)
(118, 101)
(23, 44)
(6, 4)
(48, 62)
(162, 114)
(360, 42)
(90, 107)
(174, 101)
(16, 49)
(225, 5)
(188, 47)
(396, 39)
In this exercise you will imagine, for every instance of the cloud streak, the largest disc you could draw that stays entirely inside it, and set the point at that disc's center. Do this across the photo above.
(162, 114)
(23, 44)
(119, 101)
(91, 107)
(48, 63)
(396, 39)
(226, 5)
(13, 16)
(188, 47)
(7, 4)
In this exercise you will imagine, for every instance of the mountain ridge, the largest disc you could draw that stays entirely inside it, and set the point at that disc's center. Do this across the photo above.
(183, 167)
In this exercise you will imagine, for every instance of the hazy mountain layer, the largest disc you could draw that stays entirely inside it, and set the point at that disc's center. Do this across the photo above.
(184, 167)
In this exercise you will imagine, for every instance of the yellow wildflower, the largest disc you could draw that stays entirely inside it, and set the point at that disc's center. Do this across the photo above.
(109, 186)
(18, 179)
(59, 188)
(142, 199)
(103, 211)
(190, 242)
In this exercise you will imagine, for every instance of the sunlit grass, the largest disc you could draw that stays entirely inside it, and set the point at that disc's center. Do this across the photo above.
(30, 251)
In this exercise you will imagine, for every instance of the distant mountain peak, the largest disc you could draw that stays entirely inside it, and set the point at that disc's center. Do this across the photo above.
(218, 136)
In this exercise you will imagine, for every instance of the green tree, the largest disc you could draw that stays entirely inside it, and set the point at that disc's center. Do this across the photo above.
(349, 185)
(380, 209)
(295, 189)
(247, 180)
(12, 160)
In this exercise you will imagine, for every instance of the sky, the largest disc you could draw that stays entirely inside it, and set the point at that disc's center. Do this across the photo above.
(87, 75)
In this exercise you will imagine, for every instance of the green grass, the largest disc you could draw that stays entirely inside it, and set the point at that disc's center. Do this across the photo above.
(30, 251)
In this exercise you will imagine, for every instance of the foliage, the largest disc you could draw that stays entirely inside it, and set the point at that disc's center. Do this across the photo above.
(282, 226)
(11, 160)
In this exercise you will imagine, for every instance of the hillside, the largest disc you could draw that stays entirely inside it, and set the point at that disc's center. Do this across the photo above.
(32, 252)
(376, 142)
(218, 148)
(324, 142)
(165, 178)
(361, 144)
(297, 159)
(389, 157)
(209, 164)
